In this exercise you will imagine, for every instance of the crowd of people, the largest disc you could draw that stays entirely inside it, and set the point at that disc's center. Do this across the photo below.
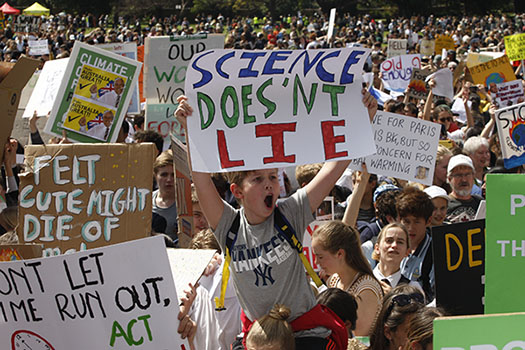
(376, 257)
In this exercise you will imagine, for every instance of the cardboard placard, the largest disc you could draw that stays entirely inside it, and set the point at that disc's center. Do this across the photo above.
(396, 72)
(255, 109)
(444, 41)
(94, 95)
(46, 88)
(27, 24)
(14, 252)
(426, 48)
(507, 94)
(515, 46)
(511, 131)
(406, 148)
(82, 196)
(418, 86)
(166, 60)
(459, 266)
(10, 87)
(495, 71)
(503, 332)
(396, 47)
(505, 257)
(473, 59)
(38, 47)
(182, 192)
(116, 297)
(128, 50)
(28, 89)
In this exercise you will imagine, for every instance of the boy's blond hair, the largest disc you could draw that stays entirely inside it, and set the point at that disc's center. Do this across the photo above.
(305, 173)
(237, 177)
(164, 159)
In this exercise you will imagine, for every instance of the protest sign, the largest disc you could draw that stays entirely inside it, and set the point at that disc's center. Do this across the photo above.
(182, 192)
(507, 94)
(505, 245)
(187, 266)
(406, 148)
(13, 252)
(503, 332)
(396, 47)
(418, 86)
(255, 109)
(118, 297)
(38, 47)
(426, 48)
(77, 197)
(459, 107)
(46, 88)
(166, 60)
(28, 89)
(15, 76)
(307, 244)
(444, 41)
(459, 266)
(510, 123)
(515, 46)
(473, 59)
(128, 50)
(397, 71)
(331, 23)
(94, 95)
(495, 71)
(27, 24)
(443, 79)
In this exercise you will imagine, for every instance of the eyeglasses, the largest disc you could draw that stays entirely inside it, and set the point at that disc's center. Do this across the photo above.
(447, 119)
(404, 300)
(460, 175)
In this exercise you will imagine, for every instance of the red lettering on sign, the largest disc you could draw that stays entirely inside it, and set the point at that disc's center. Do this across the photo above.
(276, 132)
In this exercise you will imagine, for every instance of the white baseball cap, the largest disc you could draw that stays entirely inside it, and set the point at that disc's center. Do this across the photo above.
(458, 160)
(436, 192)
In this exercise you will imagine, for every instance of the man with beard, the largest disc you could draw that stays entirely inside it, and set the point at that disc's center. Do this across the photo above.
(462, 205)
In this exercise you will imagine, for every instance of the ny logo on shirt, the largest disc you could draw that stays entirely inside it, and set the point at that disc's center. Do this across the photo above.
(265, 273)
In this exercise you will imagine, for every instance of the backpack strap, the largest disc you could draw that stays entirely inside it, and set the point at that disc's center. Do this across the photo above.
(282, 225)
(403, 280)
(231, 237)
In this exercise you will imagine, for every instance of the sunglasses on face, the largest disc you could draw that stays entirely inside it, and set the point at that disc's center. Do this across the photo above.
(447, 119)
(404, 300)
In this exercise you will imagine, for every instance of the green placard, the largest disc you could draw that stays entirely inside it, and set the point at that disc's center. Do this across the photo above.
(505, 244)
(494, 332)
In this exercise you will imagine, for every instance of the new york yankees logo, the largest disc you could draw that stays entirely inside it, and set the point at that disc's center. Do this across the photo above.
(265, 273)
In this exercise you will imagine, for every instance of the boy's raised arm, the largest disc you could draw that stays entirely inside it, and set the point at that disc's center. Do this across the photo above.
(325, 180)
(209, 199)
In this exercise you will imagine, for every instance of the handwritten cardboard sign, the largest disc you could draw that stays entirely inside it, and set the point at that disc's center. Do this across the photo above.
(117, 297)
(13, 252)
(77, 197)
(396, 47)
(501, 331)
(511, 132)
(182, 192)
(94, 95)
(268, 109)
(38, 47)
(507, 94)
(46, 88)
(426, 47)
(473, 58)
(128, 50)
(444, 41)
(406, 148)
(494, 71)
(505, 257)
(515, 46)
(418, 86)
(459, 266)
(397, 71)
(166, 60)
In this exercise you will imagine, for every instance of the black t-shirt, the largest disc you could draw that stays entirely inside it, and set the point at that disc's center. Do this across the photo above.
(463, 210)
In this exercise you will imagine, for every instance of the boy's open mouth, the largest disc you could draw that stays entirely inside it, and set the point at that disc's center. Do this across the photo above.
(268, 200)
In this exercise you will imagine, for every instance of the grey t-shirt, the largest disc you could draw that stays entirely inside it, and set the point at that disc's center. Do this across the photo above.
(266, 270)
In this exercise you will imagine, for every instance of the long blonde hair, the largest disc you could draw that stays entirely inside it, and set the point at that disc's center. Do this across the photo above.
(272, 329)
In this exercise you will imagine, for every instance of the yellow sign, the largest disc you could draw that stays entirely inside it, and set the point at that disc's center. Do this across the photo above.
(87, 117)
(444, 42)
(515, 46)
(494, 72)
(95, 82)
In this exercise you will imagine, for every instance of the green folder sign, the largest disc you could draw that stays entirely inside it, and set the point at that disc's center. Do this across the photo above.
(487, 332)
(505, 244)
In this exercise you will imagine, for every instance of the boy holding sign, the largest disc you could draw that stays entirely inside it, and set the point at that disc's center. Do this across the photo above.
(266, 268)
